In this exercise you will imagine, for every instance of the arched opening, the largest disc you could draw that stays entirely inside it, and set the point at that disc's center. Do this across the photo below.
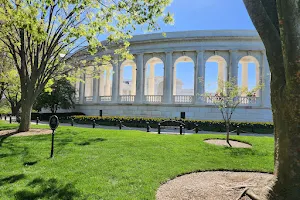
(215, 74)
(183, 80)
(105, 83)
(88, 90)
(127, 81)
(248, 75)
(154, 80)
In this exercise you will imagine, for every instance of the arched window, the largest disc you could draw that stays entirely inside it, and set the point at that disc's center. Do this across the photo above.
(215, 74)
(248, 74)
(105, 81)
(88, 91)
(154, 80)
(184, 75)
(154, 77)
(128, 78)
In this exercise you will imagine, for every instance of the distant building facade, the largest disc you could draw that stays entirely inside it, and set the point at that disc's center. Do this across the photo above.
(164, 96)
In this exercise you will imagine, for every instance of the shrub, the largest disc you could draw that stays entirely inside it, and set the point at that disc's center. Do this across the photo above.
(61, 116)
(206, 125)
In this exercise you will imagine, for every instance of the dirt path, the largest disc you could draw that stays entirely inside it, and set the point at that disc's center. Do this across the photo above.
(14, 133)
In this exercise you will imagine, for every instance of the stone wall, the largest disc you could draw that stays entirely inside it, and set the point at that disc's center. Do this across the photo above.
(192, 112)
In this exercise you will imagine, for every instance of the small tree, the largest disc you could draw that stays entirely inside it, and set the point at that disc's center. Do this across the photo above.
(61, 96)
(229, 95)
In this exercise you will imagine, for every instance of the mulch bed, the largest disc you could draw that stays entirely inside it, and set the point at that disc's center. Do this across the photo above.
(14, 132)
(234, 144)
(217, 185)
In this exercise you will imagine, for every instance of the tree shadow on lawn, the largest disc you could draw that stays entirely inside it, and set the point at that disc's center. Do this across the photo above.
(88, 142)
(4, 137)
(41, 188)
(11, 179)
(12, 150)
(236, 152)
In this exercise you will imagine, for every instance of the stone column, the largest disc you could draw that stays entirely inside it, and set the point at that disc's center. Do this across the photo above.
(133, 81)
(82, 89)
(259, 75)
(140, 78)
(266, 92)
(121, 80)
(115, 83)
(245, 77)
(174, 81)
(101, 84)
(151, 79)
(107, 83)
(168, 79)
(95, 90)
(221, 75)
(233, 66)
(199, 82)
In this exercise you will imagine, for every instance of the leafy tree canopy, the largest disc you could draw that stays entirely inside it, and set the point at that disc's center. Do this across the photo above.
(43, 35)
(61, 96)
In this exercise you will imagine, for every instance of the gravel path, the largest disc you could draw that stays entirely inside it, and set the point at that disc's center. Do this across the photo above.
(215, 185)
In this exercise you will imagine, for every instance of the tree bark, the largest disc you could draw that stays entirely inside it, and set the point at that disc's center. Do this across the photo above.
(287, 111)
(227, 135)
(287, 163)
(25, 116)
(15, 109)
(278, 27)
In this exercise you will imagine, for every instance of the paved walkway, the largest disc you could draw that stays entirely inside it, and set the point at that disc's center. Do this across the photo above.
(152, 130)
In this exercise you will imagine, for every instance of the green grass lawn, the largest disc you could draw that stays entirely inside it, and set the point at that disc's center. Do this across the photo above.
(114, 164)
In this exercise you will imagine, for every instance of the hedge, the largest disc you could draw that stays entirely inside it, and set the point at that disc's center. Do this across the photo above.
(255, 127)
(61, 116)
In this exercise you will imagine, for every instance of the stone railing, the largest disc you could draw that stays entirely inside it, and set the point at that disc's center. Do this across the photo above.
(183, 99)
(244, 101)
(127, 98)
(104, 98)
(249, 100)
(88, 99)
(153, 98)
(76, 99)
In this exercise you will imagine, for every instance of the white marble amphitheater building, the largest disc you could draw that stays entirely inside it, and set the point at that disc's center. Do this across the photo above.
(148, 95)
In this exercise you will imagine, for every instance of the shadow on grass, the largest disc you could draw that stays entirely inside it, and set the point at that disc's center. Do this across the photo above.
(3, 137)
(30, 163)
(97, 140)
(11, 179)
(88, 142)
(236, 152)
(65, 141)
(10, 150)
(83, 143)
(239, 151)
(40, 188)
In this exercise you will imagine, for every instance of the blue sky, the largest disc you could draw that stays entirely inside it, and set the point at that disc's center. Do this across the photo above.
(204, 15)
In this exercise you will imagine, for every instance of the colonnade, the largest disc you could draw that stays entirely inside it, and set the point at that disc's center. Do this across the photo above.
(108, 88)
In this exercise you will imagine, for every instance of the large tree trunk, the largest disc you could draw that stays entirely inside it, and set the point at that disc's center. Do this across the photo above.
(277, 22)
(287, 161)
(25, 116)
(286, 108)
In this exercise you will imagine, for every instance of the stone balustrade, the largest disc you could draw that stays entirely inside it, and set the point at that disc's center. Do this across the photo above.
(153, 98)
